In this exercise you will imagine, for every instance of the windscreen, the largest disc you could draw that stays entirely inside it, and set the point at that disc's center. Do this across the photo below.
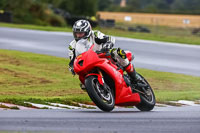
(82, 46)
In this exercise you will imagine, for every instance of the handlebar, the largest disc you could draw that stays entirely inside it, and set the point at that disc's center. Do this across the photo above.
(104, 54)
(107, 53)
(103, 51)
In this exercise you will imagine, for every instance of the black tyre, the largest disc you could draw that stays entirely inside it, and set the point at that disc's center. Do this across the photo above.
(148, 99)
(103, 98)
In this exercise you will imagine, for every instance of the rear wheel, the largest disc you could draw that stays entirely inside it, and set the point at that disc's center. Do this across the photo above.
(102, 96)
(147, 96)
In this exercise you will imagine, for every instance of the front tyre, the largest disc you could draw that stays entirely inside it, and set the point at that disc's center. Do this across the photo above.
(102, 97)
(148, 99)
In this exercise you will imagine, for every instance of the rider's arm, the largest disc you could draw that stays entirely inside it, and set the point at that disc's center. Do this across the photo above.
(101, 38)
(72, 57)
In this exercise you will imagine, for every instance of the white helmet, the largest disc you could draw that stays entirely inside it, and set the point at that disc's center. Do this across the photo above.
(82, 26)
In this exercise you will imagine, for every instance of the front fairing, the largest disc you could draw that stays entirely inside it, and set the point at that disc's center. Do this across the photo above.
(86, 61)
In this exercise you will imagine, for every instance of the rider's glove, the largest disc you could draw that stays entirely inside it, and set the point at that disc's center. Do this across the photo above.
(100, 41)
(107, 46)
(72, 70)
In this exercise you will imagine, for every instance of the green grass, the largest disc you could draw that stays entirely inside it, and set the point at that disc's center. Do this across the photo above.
(34, 77)
(41, 78)
(36, 27)
(165, 34)
(158, 33)
(173, 87)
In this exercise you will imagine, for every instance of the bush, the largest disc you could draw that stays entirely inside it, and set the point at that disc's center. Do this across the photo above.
(32, 12)
(56, 20)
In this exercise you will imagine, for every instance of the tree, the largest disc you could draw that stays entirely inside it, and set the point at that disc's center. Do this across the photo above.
(80, 7)
(103, 4)
(32, 12)
(155, 6)
(55, 3)
(133, 5)
(2, 4)
(186, 6)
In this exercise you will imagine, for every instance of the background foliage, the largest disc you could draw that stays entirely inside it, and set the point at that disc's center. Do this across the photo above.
(153, 6)
(42, 12)
(31, 12)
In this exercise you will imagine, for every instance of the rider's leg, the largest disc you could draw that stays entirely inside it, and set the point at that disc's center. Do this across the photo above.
(131, 72)
(121, 57)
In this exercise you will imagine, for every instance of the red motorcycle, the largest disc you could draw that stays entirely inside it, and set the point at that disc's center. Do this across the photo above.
(106, 83)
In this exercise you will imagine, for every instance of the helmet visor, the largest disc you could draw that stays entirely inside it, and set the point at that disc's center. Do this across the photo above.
(79, 35)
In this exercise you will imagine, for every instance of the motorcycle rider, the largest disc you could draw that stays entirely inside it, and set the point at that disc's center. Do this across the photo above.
(82, 30)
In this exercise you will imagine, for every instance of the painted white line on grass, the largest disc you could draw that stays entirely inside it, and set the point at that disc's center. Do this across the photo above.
(65, 106)
(186, 102)
(13, 105)
(161, 105)
(87, 105)
(43, 106)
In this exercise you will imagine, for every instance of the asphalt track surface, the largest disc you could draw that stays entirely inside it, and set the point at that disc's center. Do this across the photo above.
(160, 120)
(149, 54)
(159, 56)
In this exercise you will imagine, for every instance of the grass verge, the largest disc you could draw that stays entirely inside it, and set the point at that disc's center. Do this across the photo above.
(36, 27)
(166, 34)
(40, 78)
(164, 37)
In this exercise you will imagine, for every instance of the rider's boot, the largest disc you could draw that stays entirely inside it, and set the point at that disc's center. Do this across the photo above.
(134, 78)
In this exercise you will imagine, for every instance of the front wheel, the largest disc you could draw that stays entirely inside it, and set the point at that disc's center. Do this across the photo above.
(102, 96)
(147, 96)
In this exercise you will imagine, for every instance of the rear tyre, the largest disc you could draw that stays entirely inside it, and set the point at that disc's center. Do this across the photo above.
(103, 98)
(148, 99)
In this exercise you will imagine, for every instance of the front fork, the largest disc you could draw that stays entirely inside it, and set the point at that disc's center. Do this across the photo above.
(100, 79)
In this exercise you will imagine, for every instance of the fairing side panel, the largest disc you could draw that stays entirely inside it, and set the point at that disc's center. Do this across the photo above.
(123, 93)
